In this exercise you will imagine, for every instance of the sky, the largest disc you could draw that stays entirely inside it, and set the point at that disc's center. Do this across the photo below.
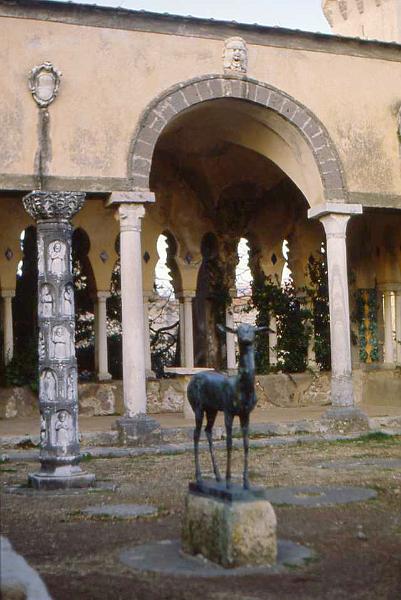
(294, 14)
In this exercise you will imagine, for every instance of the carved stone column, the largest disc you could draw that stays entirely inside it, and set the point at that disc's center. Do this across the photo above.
(334, 218)
(58, 393)
(135, 427)
(101, 337)
(188, 330)
(8, 330)
(388, 327)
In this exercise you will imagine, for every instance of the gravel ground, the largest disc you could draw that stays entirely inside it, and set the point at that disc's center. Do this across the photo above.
(357, 546)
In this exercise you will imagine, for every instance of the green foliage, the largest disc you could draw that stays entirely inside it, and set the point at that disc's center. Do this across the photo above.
(292, 326)
(317, 293)
(22, 368)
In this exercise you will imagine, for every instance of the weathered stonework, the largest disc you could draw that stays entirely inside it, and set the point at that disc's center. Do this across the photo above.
(58, 393)
(231, 534)
(166, 106)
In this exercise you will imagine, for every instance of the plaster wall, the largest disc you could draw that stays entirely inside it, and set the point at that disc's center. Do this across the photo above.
(110, 75)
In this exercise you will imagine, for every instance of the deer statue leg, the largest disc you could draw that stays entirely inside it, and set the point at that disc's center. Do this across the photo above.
(228, 420)
(244, 420)
(211, 417)
(197, 432)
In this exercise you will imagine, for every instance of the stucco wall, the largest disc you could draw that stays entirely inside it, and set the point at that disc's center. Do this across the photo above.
(110, 75)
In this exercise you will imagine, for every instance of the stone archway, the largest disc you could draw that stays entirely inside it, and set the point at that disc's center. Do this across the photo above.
(184, 95)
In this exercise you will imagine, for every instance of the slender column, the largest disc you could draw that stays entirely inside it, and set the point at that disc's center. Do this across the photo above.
(182, 332)
(96, 315)
(334, 218)
(146, 333)
(398, 325)
(230, 340)
(134, 375)
(388, 329)
(188, 330)
(273, 341)
(101, 334)
(8, 331)
(335, 226)
(58, 394)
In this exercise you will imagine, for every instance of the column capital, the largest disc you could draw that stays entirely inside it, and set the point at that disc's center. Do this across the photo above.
(53, 206)
(130, 216)
(103, 296)
(139, 197)
(7, 293)
(186, 295)
(331, 208)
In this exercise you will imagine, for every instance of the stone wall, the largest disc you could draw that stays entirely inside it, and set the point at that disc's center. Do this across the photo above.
(380, 387)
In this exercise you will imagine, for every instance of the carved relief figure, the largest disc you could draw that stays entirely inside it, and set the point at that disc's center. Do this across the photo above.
(62, 429)
(41, 346)
(46, 301)
(71, 379)
(41, 256)
(68, 298)
(235, 55)
(48, 386)
(56, 254)
(61, 342)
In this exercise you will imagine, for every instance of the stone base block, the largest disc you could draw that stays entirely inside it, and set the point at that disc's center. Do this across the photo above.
(231, 534)
(346, 419)
(55, 481)
(140, 430)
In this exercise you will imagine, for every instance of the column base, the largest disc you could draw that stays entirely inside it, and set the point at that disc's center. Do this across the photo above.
(140, 430)
(344, 419)
(104, 377)
(62, 478)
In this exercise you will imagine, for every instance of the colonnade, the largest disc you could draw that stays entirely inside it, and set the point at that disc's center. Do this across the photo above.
(129, 211)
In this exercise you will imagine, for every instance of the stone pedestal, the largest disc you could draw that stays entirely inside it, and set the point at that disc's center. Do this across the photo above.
(140, 430)
(233, 531)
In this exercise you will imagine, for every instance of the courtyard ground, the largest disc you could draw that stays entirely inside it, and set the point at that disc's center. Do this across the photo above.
(357, 546)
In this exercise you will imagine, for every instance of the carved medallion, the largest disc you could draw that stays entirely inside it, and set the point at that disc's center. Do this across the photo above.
(44, 82)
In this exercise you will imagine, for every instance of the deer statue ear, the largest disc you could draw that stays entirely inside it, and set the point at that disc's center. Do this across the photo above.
(264, 328)
(225, 329)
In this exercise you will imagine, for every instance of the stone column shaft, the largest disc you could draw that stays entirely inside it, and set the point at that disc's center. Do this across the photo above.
(146, 332)
(230, 340)
(58, 390)
(101, 335)
(398, 325)
(340, 334)
(388, 329)
(188, 332)
(273, 341)
(132, 309)
(8, 329)
(182, 333)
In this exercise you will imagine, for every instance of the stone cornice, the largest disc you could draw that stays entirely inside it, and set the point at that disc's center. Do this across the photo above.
(120, 18)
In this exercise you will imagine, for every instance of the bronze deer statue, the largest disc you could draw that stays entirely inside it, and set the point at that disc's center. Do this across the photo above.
(210, 392)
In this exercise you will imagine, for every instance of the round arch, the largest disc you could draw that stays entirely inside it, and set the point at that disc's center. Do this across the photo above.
(184, 95)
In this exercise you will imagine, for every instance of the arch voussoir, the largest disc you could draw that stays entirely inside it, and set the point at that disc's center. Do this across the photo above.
(179, 98)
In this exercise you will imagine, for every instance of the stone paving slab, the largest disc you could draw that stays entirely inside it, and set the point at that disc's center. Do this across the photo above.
(315, 496)
(166, 557)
